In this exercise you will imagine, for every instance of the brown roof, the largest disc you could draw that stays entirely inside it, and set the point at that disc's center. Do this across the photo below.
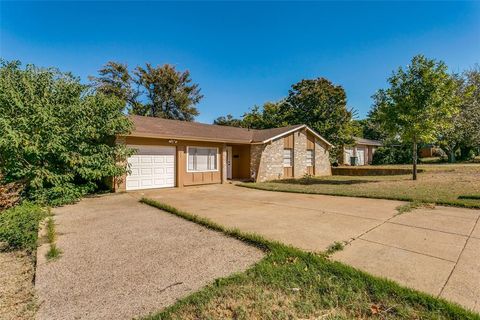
(175, 129)
(367, 142)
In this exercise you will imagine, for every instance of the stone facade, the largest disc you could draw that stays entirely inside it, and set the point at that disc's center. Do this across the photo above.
(266, 160)
(322, 159)
(299, 153)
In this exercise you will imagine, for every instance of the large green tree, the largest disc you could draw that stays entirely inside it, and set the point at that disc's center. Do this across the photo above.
(321, 105)
(464, 134)
(57, 136)
(151, 91)
(418, 104)
(317, 103)
(115, 79)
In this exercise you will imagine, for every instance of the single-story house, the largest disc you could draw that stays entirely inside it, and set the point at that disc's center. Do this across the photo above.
(173, 153)
(363, 150)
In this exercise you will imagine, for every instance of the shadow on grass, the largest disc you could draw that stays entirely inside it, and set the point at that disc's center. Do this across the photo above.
(308, 181)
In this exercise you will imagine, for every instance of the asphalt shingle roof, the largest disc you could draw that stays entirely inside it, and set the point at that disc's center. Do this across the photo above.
(165, 128)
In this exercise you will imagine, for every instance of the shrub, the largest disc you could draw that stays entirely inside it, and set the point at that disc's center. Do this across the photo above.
(57, 134)
(393, 155)
(19, 225)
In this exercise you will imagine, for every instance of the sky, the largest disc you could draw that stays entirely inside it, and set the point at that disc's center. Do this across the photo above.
(245, 53)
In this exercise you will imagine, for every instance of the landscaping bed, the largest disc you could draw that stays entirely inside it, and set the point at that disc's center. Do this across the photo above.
(370, 171)
(292, 284)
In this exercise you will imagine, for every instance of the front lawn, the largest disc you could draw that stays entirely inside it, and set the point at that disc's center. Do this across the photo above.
(442, 184)
(292, 284)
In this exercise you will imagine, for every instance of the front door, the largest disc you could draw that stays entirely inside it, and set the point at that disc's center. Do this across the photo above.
(229, 162)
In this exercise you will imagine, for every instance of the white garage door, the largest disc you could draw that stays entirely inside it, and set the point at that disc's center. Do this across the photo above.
(361, 156)
(151, 167)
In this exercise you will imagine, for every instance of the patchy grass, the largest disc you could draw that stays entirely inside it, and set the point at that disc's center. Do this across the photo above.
(336, 246)
(53, 253)
(291, 284)
(51, 235)
(408, 207)
(441, 184)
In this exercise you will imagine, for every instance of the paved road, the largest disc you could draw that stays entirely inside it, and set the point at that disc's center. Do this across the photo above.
(433, 250)
(122, 259)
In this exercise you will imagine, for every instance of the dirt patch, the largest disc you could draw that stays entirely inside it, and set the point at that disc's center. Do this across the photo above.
(17, 298)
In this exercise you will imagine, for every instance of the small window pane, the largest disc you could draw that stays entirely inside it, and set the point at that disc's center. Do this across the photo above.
(310, 158)
(287, 157)
(191, 158)
(202, 160)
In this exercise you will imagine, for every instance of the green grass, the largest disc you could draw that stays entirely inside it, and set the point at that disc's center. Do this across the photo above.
(53, 252)
(441, 184)
(289, 284)
(19, 226)
(412, 206)
(51, 235)
(335, 247)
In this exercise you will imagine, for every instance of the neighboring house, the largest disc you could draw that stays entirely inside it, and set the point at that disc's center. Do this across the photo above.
(430, 150)
(363, 150)
(173, 153)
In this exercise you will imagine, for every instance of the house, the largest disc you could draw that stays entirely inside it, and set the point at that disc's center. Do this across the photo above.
(363, 150)
(429, 151)
(173, 153)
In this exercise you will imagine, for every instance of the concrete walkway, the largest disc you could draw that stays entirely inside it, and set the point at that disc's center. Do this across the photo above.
(433, 250)
(122, 259)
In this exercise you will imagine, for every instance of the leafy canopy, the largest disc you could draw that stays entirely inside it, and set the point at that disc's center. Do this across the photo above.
(56, 135)
(419, 103)
(152, 91)
(464, 132)
(317, 103)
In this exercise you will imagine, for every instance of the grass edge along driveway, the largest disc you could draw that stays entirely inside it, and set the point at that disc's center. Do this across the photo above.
(289, 282)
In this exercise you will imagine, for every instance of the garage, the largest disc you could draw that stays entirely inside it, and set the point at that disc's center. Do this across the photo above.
(151, 167)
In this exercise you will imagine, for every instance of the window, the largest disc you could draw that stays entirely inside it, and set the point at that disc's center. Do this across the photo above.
(202, 159)
(310, 158)
(287, 157)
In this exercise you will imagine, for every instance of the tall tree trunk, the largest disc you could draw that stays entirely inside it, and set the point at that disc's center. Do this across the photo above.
(451, 156)
(414, 156)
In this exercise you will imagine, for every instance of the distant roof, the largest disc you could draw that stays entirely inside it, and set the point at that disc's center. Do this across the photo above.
(367, 141)
(184, 130)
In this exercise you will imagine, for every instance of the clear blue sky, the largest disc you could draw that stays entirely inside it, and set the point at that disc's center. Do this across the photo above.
(243, 54)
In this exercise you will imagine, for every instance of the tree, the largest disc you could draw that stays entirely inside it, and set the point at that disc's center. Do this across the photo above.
(57, 136)
(464, 134)
(322, 106)
(170, 94)
(228, 120)
(317, 103)
(419, 103)
(114, 79)
(271, 115)
(164, 91)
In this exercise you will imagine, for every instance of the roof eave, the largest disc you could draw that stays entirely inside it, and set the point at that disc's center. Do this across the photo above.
(157, 136)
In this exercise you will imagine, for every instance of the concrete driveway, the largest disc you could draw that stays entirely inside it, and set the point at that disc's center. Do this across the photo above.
(432, 250)
(123, 259)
